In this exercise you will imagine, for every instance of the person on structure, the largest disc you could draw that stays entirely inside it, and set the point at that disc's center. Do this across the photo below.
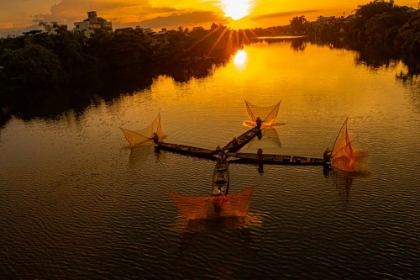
(327, 155)
(155, 138)
(259, 122)
(260, 154)
(222, 155)
(217, 151)
(327, 162)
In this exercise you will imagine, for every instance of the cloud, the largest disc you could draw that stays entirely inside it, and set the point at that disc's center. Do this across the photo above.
(185, 20)
(70, 11)
(283, 14)
(125, 13)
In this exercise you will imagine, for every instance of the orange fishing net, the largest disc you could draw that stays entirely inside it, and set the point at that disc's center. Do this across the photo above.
(267, 114)
(200, 208)
(139, 137)
(342, 155)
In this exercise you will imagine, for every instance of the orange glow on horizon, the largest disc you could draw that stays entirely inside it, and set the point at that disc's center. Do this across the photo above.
(236, 14)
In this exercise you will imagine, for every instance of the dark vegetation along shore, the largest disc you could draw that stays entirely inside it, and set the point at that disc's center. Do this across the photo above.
(45, 73)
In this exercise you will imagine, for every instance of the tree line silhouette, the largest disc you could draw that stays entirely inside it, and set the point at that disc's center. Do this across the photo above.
(60, 56)
(378, 23)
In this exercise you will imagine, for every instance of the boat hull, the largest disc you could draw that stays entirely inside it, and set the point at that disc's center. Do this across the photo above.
(186, 150)
(274, 159)
(220, 182)
(242, 140)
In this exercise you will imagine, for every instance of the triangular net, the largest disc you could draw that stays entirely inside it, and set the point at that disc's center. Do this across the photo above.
(342, 154)
(202, 208)
(267, 114)
(139, 137)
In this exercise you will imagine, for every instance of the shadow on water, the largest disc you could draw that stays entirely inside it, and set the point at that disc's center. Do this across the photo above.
(410, 79)
(274, 137)
(297, 43)
(259, 135)
(260, 168)
(88, 91)
(269, 134)
(139, 155)
(343, 181)
(374, 57)
(52, 103)
(182, 73)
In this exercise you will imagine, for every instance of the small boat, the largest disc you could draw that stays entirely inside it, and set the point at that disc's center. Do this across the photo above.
(186, 150)
(240, 141)
(274, 159)
(220, 183)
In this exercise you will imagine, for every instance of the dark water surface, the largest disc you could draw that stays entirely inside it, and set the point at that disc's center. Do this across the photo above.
(77, 203)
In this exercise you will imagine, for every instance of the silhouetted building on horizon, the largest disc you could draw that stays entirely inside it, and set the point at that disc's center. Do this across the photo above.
(93, 23)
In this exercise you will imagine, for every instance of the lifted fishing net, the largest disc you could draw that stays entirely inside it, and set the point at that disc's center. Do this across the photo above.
(202, 208)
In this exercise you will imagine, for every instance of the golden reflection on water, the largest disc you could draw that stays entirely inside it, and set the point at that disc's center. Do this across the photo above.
(267, 72)
(319, 87)
(240, 59)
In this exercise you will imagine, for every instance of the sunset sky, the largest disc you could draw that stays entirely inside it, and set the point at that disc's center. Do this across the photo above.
(20, 15)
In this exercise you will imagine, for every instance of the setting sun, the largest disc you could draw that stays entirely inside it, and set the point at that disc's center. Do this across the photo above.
(236, 9)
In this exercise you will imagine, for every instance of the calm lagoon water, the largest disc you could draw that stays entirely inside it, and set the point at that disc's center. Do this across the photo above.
(77, 203)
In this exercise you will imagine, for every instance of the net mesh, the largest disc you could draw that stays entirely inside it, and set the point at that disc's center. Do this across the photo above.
(342, 154)
(140, 137)
(204, 208)
(267, 114)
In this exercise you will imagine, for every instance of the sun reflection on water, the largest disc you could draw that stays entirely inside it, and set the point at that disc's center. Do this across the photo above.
(240, 59)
